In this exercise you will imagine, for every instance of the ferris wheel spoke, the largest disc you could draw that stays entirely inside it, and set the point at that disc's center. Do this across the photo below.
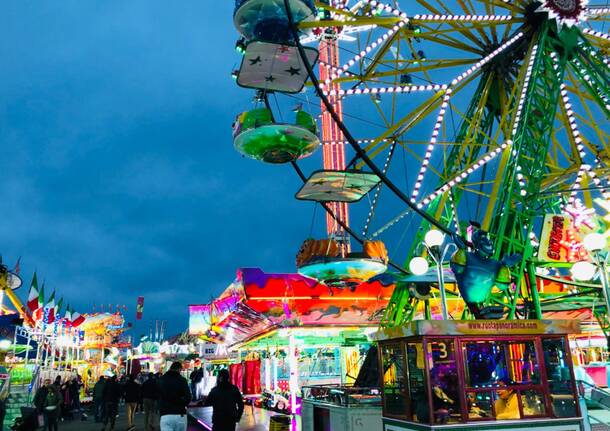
(460, 177)
(437, 100)
(595, 88)
(467, 34)
(378, 192)
(519, 95)
(399, 127)
(441, 115)
(597, 12)
(591, 124)
(515, 7)
(443, 38)
(598, 36)
(490, 10)
(399, 70)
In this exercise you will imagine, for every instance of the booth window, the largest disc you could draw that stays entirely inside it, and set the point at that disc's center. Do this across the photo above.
(419, 409)
(444, 381)
(533, 403)
(480, 405)
(559, 377)
(509, 361)
(394, 400)
(504, 379)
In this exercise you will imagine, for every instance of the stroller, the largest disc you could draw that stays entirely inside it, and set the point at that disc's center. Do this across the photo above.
(28, 420)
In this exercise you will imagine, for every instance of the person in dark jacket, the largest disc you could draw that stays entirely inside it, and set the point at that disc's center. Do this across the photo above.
(174, 397)
(98, 399)
(227, 402)
(48, 401)
(150, 395)
(112, 396)
(132, 398)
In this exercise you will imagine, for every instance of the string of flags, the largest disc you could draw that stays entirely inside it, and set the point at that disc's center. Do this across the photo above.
(49, 311)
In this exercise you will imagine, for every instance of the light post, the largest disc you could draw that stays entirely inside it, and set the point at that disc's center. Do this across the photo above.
(595, 244)
(433, 241)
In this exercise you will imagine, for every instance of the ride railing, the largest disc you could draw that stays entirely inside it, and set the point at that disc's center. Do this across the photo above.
(344, 396)
(594, 395)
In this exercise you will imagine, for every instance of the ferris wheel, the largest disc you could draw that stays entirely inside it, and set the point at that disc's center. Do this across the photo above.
(432, 115)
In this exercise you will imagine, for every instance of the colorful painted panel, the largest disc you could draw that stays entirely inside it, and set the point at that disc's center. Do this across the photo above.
(291, 299)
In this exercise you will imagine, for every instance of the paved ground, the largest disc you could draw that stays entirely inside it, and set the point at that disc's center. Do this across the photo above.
(254, 419)
(121, 424)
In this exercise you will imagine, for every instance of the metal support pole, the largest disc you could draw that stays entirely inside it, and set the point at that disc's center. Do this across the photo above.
(15, 342)
(293, 366)
(38, 348)
(601, 264)
(27, 348)
(531, 273)
(441, 283)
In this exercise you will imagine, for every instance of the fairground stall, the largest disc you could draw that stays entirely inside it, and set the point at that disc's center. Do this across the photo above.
(289, 330)
(488, 374)
(104, 344)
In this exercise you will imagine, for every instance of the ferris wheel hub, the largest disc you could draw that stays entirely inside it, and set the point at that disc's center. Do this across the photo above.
(565, 12)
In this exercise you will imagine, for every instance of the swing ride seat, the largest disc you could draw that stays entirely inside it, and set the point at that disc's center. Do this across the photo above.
(257, 136)
(274, 67)
(320, 260)
(267, 19)
(337, 186)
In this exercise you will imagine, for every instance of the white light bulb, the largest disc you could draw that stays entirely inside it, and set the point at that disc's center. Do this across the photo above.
(594, 242)
(418, 266)
(583, 271)
(434, 238)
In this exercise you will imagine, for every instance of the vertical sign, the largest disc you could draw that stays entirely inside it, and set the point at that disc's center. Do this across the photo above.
(140, 308)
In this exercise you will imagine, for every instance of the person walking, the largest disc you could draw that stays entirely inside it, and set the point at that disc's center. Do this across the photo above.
(192, 378)
(150, 395)
(174, 397)
(112, 395)
(227, 403)
(98, 399)
(132, 395)
(47, 401)
(74, 389)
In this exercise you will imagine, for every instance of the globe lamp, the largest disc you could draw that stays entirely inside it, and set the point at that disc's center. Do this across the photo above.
(583, 271)
(418, 266)
(434, 238)
(594, 242)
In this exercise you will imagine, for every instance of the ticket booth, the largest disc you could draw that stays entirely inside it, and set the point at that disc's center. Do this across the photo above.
(488, 375)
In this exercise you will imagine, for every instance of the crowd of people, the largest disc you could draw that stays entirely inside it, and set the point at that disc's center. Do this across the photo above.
(163, 398)
(59, 400)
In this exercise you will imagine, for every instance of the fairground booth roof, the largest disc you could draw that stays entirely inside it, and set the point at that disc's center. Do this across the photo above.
(257, 303)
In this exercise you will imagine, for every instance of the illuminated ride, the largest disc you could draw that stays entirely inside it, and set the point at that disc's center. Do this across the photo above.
(485, 123)
(9, 282)
(436, 115)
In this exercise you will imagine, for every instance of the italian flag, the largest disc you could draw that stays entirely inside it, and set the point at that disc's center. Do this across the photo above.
(57, 311)
(33, 295)
(39, 313)
(68, 316)
(77, 319)
(50, 308)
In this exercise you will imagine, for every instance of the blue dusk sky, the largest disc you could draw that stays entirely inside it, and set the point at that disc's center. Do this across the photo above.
(119, 176)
